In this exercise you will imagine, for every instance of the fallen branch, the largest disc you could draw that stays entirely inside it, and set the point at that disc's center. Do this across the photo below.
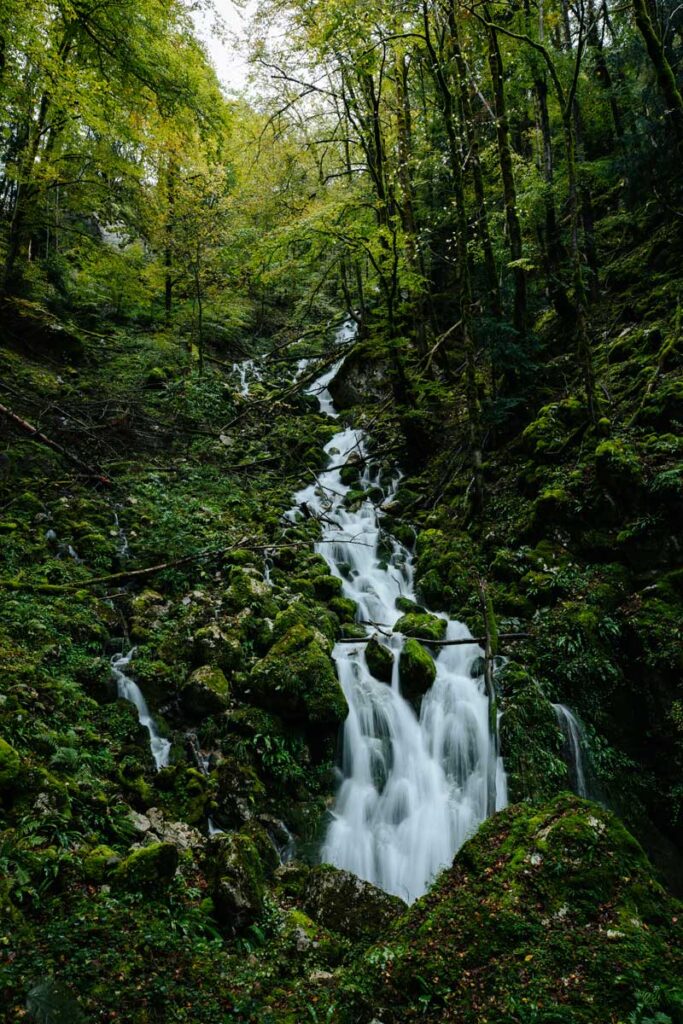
(37, 435)
(479, 640)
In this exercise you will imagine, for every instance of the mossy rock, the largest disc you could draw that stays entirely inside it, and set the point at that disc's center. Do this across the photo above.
(99, 864)
(297, 680)
(10, 767)
(348, 905)
(380, 660)
(344, 608)
(239, 792)
(416, 670)
(152, 866)
(327, 587)
(238, 886)
(550, 507)
(205, 692)
(531, 740)
(313, 617)
(540, 894)
(423, 626)
(214, 645)
(248, 590)
(618, 468)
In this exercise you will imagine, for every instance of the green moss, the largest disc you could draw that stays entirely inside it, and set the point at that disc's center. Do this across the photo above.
(149, 867)
(99, 864)
(416, 670)
(10, 767)
(238, 887)
(205, 692)
(297, 679)
(423, 626)
(540, 894)
(618, 467)
(380, 660)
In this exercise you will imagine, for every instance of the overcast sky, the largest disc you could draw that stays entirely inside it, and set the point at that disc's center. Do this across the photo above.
(228, 54)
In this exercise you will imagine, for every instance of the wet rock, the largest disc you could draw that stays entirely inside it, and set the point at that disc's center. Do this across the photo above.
(421, 625)
(346, 904)
(416, 670)
(380, 660)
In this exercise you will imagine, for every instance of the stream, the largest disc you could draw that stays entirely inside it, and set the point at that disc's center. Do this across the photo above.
(413, 785)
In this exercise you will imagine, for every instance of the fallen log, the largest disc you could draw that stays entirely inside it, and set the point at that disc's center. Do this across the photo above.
(37, 435)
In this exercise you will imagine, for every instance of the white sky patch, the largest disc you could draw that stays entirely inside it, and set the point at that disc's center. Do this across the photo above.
(226, 42)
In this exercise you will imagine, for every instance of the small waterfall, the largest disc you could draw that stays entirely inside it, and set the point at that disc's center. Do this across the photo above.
(129, 690)
(414, 786)
(574, 743)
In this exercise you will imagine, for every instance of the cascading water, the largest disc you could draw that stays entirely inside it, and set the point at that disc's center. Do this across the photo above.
(129, 690)
(574, 742)
(414, 787)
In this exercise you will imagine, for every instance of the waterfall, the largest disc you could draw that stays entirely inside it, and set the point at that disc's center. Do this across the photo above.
(574, 742)
(414, 785)
(129, 690)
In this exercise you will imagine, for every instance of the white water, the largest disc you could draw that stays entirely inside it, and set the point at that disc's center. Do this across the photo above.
(572, 731)
(129, 690)
(414, 787)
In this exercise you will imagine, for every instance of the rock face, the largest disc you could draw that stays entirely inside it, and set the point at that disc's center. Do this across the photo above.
(345, 904)
(552, 908)
(416, 669)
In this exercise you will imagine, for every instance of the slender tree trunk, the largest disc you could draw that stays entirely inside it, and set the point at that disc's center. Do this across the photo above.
(663, 70)
(508, 177)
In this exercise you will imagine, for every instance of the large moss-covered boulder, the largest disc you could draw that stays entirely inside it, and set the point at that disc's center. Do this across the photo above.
(238, 886)
(416, 670)
(312, 617)
(151, 866)
(205, 692)
(297, 680)
(10, 767)
(550, 913)
(346, 904)
(213, 644)
(422, 625)
(380, 660)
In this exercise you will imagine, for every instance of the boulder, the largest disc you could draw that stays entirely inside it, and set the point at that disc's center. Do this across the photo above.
(550, 907)
(99, 863)
(297, 680)
(346, 904)
(238, 887)
(416, 670)
(151, 866)
(421, 625)
(380, 660)
(205, 692)
(213, 645)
